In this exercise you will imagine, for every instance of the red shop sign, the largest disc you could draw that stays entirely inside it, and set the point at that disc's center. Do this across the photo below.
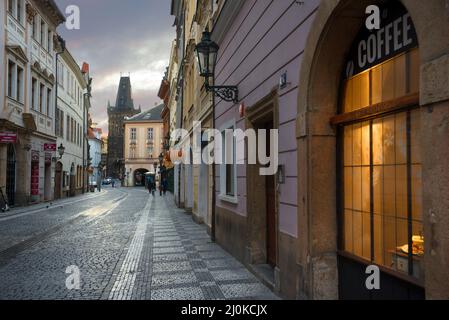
(8, 137)
(50, 147)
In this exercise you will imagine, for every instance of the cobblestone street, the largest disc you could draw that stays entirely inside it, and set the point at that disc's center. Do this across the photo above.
(127, 245)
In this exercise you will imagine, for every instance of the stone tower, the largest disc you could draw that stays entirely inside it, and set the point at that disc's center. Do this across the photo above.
(124, 107)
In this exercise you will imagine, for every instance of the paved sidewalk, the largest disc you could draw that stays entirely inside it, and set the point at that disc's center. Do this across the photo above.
(187, 265)
(50, 204)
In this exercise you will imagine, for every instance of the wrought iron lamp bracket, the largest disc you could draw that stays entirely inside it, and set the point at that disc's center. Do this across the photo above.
(227, 93)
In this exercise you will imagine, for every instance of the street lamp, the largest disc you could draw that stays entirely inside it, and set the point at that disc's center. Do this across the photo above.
(61, 151)
(207, 51)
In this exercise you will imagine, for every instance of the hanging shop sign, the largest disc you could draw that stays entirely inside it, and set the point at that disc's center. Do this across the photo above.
(34, 173)
(396, 35)
(50, 147)
(8, 137)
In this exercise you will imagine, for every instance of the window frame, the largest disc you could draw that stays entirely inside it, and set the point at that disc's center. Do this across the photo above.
(223, 195)
(406, 104)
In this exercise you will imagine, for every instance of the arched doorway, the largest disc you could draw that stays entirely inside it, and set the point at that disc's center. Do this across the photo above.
(139, 177)
(11, 175)
(321, 147)
(58, 180)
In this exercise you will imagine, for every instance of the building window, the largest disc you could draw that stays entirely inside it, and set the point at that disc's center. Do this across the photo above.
(11, 6)
(20, 85)
(34, 93)
(11, 78)
(49, 41)
(61, 74)
(42, 92)
(34, 28)
(49, 101)
(133, 134)
(16, 82)
(382, 169)
(43, 33)
(68, 128)
(150, 134)
(15, 9)
(228, 168)
(59, 123)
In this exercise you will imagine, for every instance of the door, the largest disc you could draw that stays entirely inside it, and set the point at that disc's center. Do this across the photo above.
(58, 180)
(270, 190)
(11, 175)
(270, 196)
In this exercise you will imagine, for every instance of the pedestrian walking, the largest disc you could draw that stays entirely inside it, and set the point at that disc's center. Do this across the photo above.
(164, 186)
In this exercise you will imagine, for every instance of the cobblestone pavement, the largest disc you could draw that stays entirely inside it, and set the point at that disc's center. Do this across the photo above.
(127, 245)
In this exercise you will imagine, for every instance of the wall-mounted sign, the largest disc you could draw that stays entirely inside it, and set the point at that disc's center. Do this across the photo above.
(34, 173)
(396, 35)
(50, 147)
(8, 137)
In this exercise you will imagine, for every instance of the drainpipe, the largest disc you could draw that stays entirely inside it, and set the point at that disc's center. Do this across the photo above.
(214, 168)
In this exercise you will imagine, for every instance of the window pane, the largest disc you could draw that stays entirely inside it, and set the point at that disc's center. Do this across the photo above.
(378, 239)
(376, 85)
(348, 231)
(366, 144)
(401, 138)
(358, 233)
(366, 189)
(357, 145)
(401, 192)
(378, 181)
(366, 235)
(401, 244)
(389, 191)
(400, 83)
(389, 238)
(348, 101)
(389, 140)
(357, 189)
(348, 145)
(388, 91)
(378, 156)
(348, 188)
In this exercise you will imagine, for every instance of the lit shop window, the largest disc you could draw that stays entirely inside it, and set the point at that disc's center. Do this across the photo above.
(384, 82)
(382, 170)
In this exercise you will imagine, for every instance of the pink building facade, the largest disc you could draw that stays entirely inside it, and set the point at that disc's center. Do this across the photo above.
(261, 53)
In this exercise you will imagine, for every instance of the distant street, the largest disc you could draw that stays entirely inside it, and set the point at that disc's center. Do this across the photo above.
(126, 244)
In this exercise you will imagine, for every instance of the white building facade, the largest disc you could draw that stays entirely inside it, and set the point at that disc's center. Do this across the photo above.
(28, 95)
(70, 114)
(95, 149)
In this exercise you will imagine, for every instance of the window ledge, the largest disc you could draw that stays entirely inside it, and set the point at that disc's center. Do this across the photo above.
(230, 199)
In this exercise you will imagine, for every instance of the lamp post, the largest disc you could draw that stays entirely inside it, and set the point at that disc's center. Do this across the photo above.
(207, 52)
(61, 151)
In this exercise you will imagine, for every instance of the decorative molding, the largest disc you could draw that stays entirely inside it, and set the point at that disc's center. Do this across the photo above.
(18, 52)
(30, 12)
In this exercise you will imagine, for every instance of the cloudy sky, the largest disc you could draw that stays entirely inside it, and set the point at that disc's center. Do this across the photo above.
(117, 36)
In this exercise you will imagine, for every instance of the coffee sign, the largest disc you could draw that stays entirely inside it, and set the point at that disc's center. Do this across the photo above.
(396, 35)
